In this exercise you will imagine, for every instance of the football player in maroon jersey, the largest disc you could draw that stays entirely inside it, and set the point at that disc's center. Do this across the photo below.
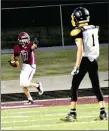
(25, 49)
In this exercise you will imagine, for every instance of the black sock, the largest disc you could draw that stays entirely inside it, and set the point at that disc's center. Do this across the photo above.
(73, 111)
(102, 110)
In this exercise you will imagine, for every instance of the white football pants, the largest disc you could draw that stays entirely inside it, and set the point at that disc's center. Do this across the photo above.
(26, 74)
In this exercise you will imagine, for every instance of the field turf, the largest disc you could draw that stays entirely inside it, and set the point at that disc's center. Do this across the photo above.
(48, 118)
(51, 62)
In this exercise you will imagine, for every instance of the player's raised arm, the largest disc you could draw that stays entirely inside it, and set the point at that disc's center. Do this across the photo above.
(35, 44)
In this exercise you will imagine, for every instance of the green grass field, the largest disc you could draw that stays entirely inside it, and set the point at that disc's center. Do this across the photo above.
(52, 62)
(48, 118)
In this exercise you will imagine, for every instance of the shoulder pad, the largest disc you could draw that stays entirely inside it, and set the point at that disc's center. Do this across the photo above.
(75, 32)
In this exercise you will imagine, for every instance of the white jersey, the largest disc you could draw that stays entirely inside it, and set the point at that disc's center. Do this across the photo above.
(90, 42)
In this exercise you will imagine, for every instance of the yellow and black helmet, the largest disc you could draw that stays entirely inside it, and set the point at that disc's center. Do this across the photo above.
(80, 15)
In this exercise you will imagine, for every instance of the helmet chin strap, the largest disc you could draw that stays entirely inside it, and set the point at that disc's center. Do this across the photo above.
(84, 21)
(83, 24)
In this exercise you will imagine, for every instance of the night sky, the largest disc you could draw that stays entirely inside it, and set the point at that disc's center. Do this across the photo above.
(48, 16)
(19, 3)
(39, 21)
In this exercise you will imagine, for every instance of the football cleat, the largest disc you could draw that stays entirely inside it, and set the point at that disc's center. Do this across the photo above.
(103, 116)
(40, 88)
(70, 118)
(30, 102)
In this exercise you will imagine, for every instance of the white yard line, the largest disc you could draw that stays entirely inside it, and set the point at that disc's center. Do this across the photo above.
(50, 125)
(97, 129)
(37, 111)
(48, 119)
(26, 106)
(49, 114)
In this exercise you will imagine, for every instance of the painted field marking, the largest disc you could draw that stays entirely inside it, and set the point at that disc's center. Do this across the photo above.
(95, 129)
(23, 121)
(47, 125)
(5, 105)
(52, 99)
(46, 109)
(26, 106)
(50, 114)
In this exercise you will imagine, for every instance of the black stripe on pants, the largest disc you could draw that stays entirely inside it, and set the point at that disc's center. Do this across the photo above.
(92, 69)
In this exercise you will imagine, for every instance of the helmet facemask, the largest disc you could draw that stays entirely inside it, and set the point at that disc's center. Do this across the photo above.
(23, 39)
(80, 15)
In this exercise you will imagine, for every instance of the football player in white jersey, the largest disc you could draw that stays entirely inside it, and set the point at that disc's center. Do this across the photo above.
(86, 39)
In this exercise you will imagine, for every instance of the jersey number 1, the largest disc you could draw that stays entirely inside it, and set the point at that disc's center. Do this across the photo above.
(93, 39)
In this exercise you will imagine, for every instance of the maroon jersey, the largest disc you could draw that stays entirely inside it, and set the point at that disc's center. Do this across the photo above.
(27, 55)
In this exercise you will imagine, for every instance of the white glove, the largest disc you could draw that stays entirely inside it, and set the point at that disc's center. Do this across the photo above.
(75, 71)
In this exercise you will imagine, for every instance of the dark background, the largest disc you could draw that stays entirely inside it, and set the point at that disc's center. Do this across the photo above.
(22, 3)
(44, 22)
